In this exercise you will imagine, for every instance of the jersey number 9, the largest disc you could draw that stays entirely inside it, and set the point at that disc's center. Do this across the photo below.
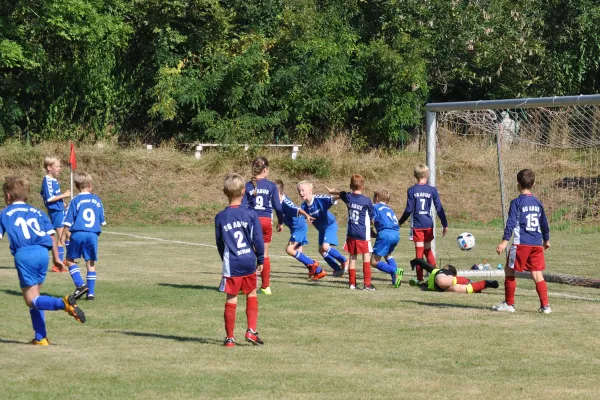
(89, 217)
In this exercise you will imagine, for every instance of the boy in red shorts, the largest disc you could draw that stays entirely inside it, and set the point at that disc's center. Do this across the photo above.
(240, 244)
(421, 199)
(358, 241)
(528, 225)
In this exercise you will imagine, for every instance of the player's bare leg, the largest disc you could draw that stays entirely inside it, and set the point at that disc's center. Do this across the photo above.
(61, 250)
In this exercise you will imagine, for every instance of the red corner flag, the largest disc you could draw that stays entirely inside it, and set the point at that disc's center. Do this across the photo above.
(72, 160)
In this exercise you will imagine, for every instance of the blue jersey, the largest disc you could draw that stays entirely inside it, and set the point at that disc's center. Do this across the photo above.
(50, 189)
(291, 218)
(266, 199)
(239, 241)
(25, 226)
(85, 214)
(527, 221)
(318, 209)
(360, 215)
(420, 202)
(385, 218)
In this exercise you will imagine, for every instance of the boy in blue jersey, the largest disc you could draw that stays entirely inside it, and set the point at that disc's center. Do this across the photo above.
(31, 235)
(317, 206)
(241, 248)
(295, 219)
(358, 239)
(528, 224)
(262, 196)
(53, 200)
(84, 219)
(421, 199)
(388, 236)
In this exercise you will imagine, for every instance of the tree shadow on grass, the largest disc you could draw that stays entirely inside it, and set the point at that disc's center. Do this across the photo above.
(200, 287)
(444, 305)
(320, 284)
(17, 293)
(171, 337)
(8, 341)
(3, 267)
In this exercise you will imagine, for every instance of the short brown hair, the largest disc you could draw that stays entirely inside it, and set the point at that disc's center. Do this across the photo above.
(233, 186)
(526, 178)
(259, 164)
(15, 187)
(50, 161)
(357, 182)
(279, 184)
(421, 171)
(382, 195)
(452, 269)
(82, 180)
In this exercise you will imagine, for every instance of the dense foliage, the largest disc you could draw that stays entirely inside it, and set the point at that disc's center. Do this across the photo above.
(278, 70)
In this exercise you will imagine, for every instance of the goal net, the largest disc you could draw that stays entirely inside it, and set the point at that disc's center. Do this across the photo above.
(488, 142)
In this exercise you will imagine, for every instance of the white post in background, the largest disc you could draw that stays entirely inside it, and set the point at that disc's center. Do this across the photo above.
(295, 150)
(71, 184)
(430, 131)
(198, 153)
(149, 148)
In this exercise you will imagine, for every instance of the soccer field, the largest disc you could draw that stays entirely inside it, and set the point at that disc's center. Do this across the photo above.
(156, 330)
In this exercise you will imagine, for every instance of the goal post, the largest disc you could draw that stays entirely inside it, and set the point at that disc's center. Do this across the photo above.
(558, 137)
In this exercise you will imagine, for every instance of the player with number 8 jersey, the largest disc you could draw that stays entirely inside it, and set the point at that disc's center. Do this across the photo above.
(84, 219)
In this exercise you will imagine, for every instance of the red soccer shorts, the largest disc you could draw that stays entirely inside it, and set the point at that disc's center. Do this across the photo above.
(356, 246)
(267, 227)
(233, 284)
(422, 235)
(527, 258)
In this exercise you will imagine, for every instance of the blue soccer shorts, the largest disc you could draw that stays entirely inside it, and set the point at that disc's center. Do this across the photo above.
(83, 244)
(32, 264)
(299, 236)
(56, 217)
(328, 235)
(386, 242)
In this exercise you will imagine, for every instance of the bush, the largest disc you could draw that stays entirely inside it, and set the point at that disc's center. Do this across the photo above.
(307, 168)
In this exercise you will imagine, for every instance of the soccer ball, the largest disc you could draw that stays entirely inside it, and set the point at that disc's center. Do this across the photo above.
(465, 241)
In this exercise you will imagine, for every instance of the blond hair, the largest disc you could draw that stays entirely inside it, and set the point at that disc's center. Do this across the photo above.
(233, 186)
(50, 161)
(82, 180)
(308, 183)
(15, 187)
(382, 195)
(421, 171)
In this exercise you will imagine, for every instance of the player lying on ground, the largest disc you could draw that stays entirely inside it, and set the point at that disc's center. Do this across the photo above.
(445, 279)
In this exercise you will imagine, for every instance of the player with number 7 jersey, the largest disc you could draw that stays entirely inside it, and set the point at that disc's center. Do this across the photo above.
(84, 219)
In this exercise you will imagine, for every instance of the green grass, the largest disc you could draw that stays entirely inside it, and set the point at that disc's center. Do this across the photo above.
(156, 330)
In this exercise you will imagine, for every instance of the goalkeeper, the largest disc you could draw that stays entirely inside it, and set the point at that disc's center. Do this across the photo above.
(445, 279)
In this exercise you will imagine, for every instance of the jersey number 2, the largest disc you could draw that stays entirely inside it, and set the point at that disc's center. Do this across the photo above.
(240, 239)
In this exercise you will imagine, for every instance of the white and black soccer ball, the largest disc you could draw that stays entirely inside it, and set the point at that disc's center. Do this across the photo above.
(465, 241)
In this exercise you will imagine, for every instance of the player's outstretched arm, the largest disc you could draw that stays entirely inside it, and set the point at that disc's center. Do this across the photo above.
(306, 215)
(335, 194)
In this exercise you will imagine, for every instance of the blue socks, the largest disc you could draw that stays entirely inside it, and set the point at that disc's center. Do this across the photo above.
(390, 260)
(385, 267)
(302, 258)
(336, 254)
(331, 261)
(91, 282)
(76, 275)
(39, 323)
(48, 303)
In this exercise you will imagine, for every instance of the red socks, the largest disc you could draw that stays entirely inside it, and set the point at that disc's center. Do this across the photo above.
(366, 273)
(478, 286)
(430, 256)
(542, 290)
(252, 312)
(419, 255)
(461, 280)
(229, 319)
(265, 275)
(352, 273)
(510, 285)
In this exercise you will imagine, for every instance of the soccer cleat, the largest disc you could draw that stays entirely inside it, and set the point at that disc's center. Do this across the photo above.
(266, 290)
(503, 306)
(43, 342)
(414, 282)
(80, 291)
(320, 275)
(312, 268)
(369, 288)
(352, 287)
(72, 309)
(398, 280)
(229, 342)
(492, 284)
(545, 310)
(338, 274)
(56, 268)
(253, 337)
(89, 297)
